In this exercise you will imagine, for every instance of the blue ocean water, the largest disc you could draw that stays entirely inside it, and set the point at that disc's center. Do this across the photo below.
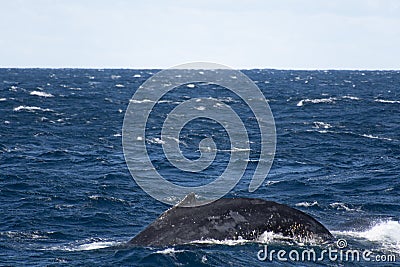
(68, 198)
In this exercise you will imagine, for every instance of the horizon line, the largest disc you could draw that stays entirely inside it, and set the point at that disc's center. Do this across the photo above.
(242, 68)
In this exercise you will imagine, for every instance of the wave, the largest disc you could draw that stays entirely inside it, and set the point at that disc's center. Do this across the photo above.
(323, 125)
(271, 182)
(226, 242)
(343, 206)
(169, 251)
(387, 101)
(134, 101)
(351, 97)
(42, 94)
(265, 238)
(325, 100)
(307, 204)
(105, 198)
(32, 109)
(376, 137)
(316, 101)
(387, 233)
(92, 245)
(25, 235)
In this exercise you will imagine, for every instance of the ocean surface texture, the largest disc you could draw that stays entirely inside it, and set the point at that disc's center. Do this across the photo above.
(67, 197)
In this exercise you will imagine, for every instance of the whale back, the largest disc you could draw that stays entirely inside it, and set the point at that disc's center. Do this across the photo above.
(228, 219)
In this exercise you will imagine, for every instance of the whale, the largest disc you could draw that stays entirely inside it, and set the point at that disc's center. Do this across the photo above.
(191, 221)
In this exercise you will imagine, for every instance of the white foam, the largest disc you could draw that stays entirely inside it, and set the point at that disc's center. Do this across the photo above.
(32, 109)
(268, 183)
(316, 101)
(140, 101)
(114, 77)
(268, 237)
(169, 251)
(42, 94)
(323, 125)
(3, 99)
(119, 85)
(27, 235)
(84, 247)
(342, 206)
(376, 137)
(156, 140)
(137, 76)
(95, 245)
(226, 242)
(351, 97)
(387, 101)
(386, 233)
(306, 204)
(235, 149)
(190, 85)
(201, 108)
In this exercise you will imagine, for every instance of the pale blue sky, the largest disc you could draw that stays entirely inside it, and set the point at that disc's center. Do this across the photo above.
(285, 34)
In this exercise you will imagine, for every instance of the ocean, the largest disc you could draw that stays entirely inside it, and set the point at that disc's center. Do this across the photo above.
(68, 198)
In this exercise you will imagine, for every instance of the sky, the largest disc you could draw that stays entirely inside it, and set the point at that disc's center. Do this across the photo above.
(281, 34)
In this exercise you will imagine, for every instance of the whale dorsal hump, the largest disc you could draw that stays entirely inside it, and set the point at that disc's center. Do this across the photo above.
(188, 201)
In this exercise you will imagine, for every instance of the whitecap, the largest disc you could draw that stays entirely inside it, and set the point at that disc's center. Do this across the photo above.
(342, 206)
(117, 135)
(227, 242)
(156, 140)
(3, 99)
(376, 137)
(137, 76)
(169, 251)
(42, 94)
(323, 125)
(114, 77)
(387, 101)
(32, 109)
(200, 108)
(89, 246)
(119, 85)
(306, 204)
(350, 97)
(140, 101)
(268, 183)
(386, 233)
(190, 85)
(316, 101)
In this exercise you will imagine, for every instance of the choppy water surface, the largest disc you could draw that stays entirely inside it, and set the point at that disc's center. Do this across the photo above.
(67, 196)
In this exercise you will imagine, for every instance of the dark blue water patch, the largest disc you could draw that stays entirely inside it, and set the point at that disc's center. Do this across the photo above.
(68, 197)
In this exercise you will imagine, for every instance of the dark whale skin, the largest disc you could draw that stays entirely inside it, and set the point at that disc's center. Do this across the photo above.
(229, 219)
